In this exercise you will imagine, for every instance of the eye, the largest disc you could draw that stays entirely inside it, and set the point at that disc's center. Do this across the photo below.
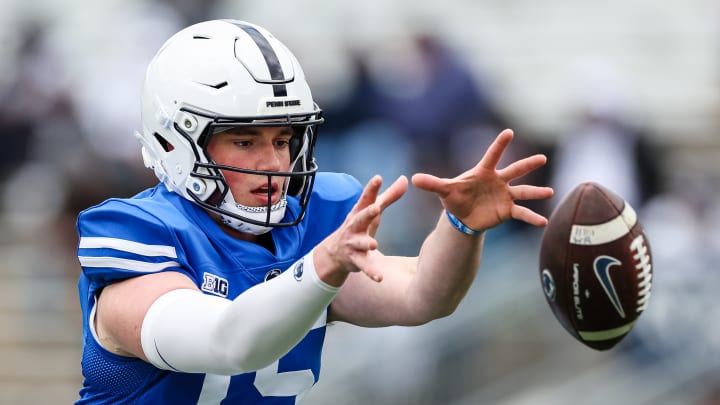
(244, 143)
(282, 143)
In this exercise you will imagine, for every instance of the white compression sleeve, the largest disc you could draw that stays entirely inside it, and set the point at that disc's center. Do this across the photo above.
(186, 330)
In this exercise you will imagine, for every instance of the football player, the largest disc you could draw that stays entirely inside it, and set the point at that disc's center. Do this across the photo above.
(216, 285)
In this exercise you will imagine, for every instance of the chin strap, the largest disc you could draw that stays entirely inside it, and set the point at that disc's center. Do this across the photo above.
(277, 213)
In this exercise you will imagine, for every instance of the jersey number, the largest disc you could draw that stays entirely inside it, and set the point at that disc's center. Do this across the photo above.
(268, 381)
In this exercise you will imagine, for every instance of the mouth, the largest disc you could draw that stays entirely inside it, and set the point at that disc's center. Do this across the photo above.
(263, 192)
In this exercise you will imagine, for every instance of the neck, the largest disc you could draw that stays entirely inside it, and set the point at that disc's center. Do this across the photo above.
(265, 240)
(248, 237)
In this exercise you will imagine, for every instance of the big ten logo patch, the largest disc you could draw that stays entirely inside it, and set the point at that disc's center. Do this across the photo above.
(215, 285)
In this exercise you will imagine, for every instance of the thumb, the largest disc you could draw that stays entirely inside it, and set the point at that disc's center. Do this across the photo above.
(428, 182)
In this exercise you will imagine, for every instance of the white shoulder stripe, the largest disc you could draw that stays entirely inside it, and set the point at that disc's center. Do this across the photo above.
(127, 264)
(600, 234)
(128, 246)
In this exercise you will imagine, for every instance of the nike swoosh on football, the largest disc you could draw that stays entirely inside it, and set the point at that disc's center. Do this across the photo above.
(602, 265)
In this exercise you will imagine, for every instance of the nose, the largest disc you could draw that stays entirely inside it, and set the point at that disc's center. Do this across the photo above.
(269, 158)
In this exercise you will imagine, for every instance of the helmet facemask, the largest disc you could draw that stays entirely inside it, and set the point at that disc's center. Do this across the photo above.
(207, 174)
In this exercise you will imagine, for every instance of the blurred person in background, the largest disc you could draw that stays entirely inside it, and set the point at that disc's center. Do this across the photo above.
(217, 284)
(29, 97)
(414, 105)
(602, 145)
(32, 98)
(428, 93)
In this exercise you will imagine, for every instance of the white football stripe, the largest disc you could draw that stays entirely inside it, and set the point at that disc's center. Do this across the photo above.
(127, 246)
(132, 265)
(616, 228)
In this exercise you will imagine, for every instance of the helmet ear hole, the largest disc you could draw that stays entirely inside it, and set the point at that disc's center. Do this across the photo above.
(164, 143)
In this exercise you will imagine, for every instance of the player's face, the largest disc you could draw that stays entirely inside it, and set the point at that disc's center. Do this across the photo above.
(253, 148)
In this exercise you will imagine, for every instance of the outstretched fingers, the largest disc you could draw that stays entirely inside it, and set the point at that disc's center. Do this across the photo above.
(369, 194)
(387, 198)
(364, 221)
(527, 192)
(527, 215)
(393, 193)
(430, 183)
(522, 167)
(496, 150)
(362, 241)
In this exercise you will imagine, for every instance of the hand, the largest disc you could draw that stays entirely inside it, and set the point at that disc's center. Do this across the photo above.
(482, 197)
(348, 248)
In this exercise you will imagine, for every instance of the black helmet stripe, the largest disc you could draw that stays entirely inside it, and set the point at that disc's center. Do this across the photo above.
(273, 63)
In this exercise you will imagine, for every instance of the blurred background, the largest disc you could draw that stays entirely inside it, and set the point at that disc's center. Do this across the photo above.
(621, 92)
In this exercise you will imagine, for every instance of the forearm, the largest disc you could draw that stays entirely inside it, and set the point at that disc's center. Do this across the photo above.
(446, 267)
(188, 331)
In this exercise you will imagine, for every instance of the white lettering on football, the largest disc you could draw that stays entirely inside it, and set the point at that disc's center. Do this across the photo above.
(600, 234)
(576, 292)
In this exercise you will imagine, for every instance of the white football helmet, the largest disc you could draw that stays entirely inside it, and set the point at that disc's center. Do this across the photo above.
(213, 76)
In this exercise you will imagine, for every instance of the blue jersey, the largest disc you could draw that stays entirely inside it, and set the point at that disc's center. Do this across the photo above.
(158, 230)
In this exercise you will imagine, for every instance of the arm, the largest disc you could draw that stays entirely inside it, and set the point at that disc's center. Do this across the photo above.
(414, 290)
(164, 319)
(417, 290)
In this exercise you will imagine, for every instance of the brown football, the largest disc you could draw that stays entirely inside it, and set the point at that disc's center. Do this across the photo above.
(595, 265)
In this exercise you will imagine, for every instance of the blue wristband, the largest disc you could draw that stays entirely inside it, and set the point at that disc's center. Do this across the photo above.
(462, 227)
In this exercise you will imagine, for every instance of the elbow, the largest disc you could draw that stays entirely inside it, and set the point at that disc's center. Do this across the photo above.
(431, 311)
(430, 316)
(229, 360)
(238, 360)
(445, 310)
(235, 354)
(249, 363)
